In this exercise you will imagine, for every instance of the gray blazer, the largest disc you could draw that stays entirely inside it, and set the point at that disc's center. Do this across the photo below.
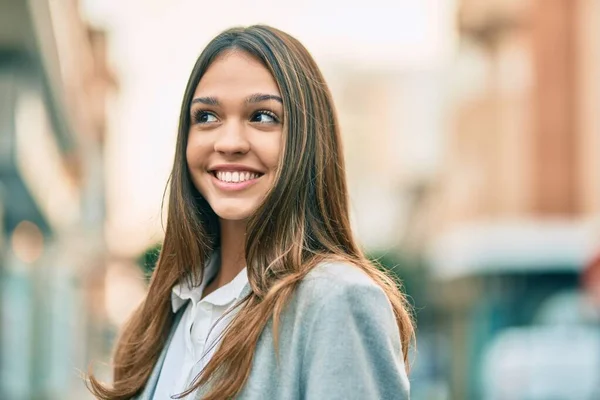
(338, 340)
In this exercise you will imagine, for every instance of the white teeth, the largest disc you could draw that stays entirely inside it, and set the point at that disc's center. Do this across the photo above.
(235, 176)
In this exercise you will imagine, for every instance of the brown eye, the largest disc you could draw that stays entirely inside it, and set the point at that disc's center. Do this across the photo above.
(204, 117)
(265, 117)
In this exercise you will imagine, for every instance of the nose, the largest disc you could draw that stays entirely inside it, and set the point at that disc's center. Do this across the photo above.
(232, 139)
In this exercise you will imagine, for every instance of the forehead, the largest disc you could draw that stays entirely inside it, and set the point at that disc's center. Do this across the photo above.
(236, 72)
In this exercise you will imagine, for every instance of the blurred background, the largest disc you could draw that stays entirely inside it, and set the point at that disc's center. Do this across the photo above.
(472, 138)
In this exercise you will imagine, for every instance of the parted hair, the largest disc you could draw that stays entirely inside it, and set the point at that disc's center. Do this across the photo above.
(303, 221)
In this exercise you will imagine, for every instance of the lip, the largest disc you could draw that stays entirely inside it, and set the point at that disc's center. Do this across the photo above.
(233, 186)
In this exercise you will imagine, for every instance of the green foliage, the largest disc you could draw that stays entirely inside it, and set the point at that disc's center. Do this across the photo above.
(408, 270)
(147, 261)
(399, 265)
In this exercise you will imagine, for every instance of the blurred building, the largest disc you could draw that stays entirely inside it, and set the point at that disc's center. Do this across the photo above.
(391, 119)
(526, 129)
(54, 85)
(519, 191)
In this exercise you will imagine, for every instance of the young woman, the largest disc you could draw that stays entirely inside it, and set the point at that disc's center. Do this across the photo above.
(261, 291)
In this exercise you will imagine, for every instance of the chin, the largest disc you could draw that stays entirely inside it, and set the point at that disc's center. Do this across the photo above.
(233, 213)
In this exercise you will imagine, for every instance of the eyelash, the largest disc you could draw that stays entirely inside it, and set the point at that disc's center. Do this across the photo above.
(198, 114)
(269, 113)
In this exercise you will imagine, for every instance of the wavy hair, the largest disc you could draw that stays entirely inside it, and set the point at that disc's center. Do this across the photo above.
(303, 221)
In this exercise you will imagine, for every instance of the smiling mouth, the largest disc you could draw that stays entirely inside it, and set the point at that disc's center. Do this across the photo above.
(235, 176)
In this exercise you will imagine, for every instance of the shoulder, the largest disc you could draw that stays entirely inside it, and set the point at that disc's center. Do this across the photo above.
(351, 345)
(343, 289)
(337, 277)
(338, 273)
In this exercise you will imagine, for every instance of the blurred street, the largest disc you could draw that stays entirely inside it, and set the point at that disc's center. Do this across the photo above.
(472, 140)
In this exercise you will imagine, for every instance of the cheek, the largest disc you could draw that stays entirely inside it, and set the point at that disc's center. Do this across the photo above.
(188, 156)
(195, 152)
(189, 151)
(194, 157)
(271, 151)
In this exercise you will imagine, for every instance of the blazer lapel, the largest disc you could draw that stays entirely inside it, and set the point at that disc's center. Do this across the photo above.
(245, 291)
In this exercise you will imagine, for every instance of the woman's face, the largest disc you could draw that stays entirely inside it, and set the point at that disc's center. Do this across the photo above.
(235, 135)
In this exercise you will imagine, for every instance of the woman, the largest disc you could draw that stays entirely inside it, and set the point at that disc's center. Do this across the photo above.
(261, 291)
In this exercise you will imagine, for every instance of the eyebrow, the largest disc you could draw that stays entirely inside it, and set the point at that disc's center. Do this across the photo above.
(258, 97)
(211, 101)
(253, 98)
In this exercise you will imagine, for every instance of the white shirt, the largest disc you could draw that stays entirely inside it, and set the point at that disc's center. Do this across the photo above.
(196, 337)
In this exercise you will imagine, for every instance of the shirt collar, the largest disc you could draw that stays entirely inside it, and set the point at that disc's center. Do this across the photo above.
(182, 292)
(230, 292)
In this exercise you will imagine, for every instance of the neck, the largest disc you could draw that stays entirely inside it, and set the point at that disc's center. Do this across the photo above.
(233, 251)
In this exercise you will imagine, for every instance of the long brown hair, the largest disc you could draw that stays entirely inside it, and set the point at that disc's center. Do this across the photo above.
(303, 220)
